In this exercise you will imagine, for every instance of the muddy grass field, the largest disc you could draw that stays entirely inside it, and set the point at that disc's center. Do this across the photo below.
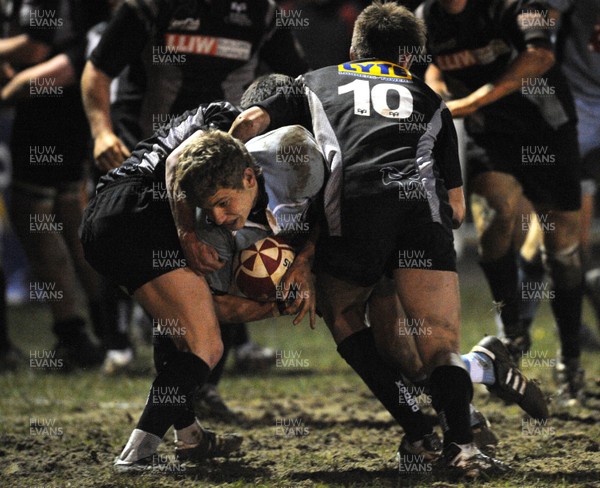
(309, 422)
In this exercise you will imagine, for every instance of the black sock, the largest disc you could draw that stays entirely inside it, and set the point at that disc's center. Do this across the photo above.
(238, 334)
(452, 392)
(170, 399)
(116, 316)
(69, 331)
(361, 354)
(530, 274)
(503, 277)
(566, 307)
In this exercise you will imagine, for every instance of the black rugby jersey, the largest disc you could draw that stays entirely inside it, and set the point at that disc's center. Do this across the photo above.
(378, 127)
(193, 52)
(476, 46)
(150, 155)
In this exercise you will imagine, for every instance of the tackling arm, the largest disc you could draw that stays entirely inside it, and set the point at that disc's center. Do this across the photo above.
(531, 63)
(58, 68)
(23, 50)
(250, 123)
(109, 150)
(233, 310)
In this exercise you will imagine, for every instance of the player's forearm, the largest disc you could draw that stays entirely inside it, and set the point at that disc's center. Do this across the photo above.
(456, 198)
(21, 49)
(306, 255)
(250, 123)
(58, 70)
(231, 309)
(435, 80)
(532, 63)
(95, 92)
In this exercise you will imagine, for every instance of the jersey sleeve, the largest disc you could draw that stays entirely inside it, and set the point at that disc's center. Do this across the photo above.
(526, 23)
(446, 152)
(219, 115)
(125, 37)
(289, 106)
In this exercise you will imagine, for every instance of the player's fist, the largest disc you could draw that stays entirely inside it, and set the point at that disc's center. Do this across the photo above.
(299, 295)
(109, 151)
(200, 257)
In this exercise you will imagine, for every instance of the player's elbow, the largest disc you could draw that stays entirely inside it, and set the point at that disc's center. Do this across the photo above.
(544, 59)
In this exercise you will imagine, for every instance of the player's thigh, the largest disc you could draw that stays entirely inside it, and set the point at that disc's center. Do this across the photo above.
(427, 286)
(342, 304)
(183, 299)
(498, 194)
(392, 330)
(431, 299)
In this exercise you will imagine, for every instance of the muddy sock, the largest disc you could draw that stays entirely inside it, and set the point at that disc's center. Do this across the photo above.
(191, 434)
(502, 276)
(361, 354)
(452, 392)
(170, 399)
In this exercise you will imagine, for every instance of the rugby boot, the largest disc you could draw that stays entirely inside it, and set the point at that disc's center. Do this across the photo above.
(466, 461)
(209, 446)
(569, 376)
(511, 384)
(483, 435)
(426, 450)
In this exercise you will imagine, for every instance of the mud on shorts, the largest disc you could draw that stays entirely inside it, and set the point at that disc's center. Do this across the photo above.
(546, 164)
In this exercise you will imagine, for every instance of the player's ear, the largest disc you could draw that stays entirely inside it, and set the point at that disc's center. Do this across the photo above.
(249, 177)
(406, 60)
(352, 53)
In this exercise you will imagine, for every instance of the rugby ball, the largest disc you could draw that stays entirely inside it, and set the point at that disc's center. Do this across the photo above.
(260, 267)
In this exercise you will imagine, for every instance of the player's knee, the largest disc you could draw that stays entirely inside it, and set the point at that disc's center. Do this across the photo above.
(491, 210)
(214, 354)
(565, 267)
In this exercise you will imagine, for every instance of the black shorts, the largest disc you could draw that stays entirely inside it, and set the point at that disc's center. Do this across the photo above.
(546, 164)
(428, 245)
(128, 233)
(49, 142)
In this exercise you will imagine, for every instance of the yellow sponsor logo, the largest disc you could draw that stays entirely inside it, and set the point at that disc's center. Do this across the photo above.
(382, 69)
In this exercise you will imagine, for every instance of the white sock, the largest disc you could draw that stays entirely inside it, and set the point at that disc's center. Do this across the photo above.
(192, 434)
(139, 446)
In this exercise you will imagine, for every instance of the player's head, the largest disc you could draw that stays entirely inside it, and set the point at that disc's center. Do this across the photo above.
(387, 31)
(264, 87)
(453, 7)
(217, 173)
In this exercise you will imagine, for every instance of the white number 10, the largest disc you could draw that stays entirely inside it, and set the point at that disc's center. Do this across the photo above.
(363, 96)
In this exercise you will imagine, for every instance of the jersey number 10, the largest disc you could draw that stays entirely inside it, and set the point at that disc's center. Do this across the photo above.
(364, 95)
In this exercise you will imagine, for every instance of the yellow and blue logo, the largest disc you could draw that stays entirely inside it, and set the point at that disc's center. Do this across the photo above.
(383, 69)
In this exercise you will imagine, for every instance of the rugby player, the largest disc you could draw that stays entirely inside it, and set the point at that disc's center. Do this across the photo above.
(355, 111)
(128, 222)
(495, 60)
